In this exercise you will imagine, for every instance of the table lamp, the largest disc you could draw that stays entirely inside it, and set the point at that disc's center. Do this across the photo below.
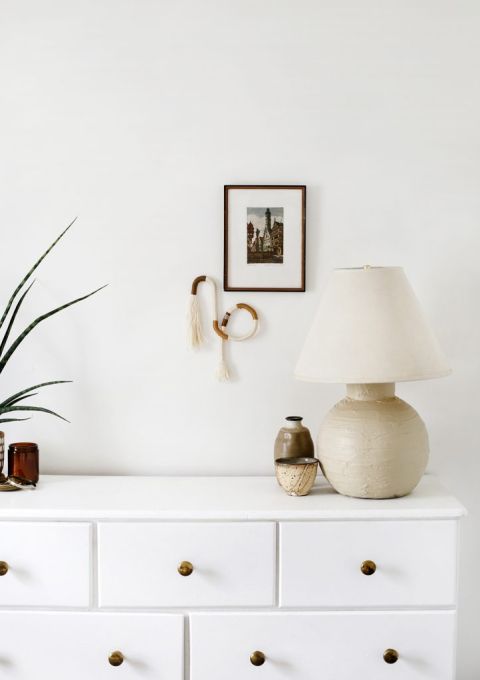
(369, 332)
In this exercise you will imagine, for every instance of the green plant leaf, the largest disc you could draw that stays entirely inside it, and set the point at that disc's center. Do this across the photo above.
(28, 275)
(15, 401)
(8, 409)
(12, 420)
(10, 400)
(12, 319)
(30, 328)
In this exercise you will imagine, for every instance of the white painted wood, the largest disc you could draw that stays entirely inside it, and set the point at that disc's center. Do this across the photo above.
(227, 528)
(416, 564)
(334, 645)
(213, 498)
(234, 564)
(76, 646)
(49, 564)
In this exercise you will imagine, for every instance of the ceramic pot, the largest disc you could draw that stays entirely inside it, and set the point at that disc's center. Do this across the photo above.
(296, 475)
(293, 440)
(372, 444)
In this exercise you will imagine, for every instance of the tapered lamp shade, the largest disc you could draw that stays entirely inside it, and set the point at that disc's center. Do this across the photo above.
(369, 328)
(369, 332)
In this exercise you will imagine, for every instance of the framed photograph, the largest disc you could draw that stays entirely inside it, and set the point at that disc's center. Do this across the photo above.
(264, 237)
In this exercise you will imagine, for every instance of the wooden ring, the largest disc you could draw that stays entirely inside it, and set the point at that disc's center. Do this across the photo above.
(228, 314)
(243, 305)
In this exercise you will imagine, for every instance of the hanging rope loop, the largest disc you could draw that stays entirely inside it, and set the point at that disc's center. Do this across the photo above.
(226, 318)
(195, 328)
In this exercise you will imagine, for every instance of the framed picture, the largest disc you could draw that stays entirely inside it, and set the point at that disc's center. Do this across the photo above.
(264, 237)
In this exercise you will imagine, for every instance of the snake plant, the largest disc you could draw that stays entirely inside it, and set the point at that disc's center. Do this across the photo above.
(15, 403)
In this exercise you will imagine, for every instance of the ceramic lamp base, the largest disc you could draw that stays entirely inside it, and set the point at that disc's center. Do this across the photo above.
(372, 444)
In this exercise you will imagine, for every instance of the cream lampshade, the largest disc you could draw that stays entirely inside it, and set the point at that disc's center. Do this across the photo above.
(369, 332)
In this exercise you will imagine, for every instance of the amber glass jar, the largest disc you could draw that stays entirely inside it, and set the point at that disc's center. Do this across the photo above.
(23, 461)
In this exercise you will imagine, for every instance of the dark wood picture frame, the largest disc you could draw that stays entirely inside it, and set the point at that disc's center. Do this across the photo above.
(296, 187)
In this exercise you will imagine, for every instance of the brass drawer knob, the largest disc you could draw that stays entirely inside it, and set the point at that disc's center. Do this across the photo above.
(368, 567)
(390, 656)
(257, 658)
(116, 658)
(185, 568)
(3, 568)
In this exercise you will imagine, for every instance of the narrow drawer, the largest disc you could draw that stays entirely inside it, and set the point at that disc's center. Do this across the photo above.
(78, 646)
(333, 645)
(414, 563)
(47, 564)
(233, 564)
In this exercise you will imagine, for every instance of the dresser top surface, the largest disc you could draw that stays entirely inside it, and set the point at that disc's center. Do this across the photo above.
(213, 498)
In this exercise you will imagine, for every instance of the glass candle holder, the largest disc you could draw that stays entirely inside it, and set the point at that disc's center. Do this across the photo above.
(23, 461)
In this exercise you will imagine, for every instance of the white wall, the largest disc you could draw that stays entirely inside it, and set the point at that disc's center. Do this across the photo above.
(133, 114)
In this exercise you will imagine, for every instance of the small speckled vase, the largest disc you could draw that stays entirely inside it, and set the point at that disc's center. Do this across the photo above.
(296, 475)
(293, 440)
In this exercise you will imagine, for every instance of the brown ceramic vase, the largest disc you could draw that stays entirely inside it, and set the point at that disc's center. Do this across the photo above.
(293, 440)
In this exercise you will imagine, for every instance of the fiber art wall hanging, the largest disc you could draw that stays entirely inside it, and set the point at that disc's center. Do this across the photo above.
(195, 332)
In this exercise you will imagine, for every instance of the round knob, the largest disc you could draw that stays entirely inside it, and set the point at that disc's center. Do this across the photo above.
(116, 658)
(3, 568)
(390, 656)
(185, 568)
(257, 658)
(368, 567)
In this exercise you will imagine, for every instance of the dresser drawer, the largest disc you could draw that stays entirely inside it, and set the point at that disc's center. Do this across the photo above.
(47, 564)
(77, 646)
(334, 645)
(321, 563)
(233, 564)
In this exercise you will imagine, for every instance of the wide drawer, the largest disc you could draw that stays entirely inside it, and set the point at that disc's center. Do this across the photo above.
(414, 563)
(233, 564)
(46, 564)
(334, 645)
(77, 646)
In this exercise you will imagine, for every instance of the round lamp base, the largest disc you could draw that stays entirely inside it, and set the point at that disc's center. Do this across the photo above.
(372, 444)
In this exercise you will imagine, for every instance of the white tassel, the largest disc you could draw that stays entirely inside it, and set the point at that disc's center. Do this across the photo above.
(194, 328)
(195, 334)
(222, 370)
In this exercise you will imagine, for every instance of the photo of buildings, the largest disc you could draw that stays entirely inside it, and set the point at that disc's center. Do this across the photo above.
(265, 235)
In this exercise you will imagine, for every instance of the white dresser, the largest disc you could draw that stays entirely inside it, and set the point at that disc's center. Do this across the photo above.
(180, 578)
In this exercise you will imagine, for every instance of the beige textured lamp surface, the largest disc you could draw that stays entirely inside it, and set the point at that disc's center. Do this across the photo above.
(370, 332)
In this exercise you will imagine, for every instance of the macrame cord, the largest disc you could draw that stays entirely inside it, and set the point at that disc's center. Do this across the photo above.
(195, 332)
